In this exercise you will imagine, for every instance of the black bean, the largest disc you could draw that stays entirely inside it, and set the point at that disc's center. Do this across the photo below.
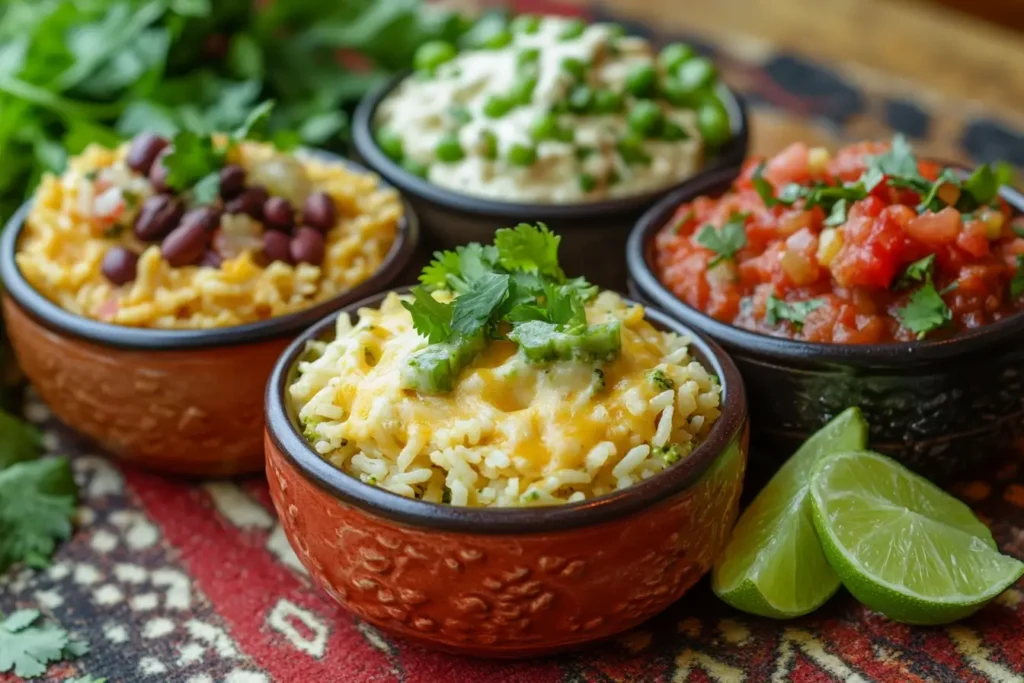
(250, 202)
(211, 259)
(319, 211)
(207, 216)
(276, 246)
(143, 152)
(186, 245)
(158, 216)
(307, 246)
(232, 181)
(278, 214)
(158, 172)
(119, 265)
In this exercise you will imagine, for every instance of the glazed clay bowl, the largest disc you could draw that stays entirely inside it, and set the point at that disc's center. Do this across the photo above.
(186, 402)
(940, 407)
(593, 233)
(507, 582)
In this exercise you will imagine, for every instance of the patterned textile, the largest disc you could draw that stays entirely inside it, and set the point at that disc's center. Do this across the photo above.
(194, 582)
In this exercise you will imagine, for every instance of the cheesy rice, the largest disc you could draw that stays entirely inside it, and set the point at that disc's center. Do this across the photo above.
(73, 223)
(510, 433)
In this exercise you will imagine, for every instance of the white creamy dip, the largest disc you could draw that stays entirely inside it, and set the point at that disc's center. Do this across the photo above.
(584, 165)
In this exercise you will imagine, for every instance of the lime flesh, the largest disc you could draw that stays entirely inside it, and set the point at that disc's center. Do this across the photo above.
(773, 565)
(901, 545)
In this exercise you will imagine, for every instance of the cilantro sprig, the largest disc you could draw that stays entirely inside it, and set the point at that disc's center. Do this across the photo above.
(726, 241)
(27, 647)
(777, 310)
(1017, 281)
(514, 289)
(925, 310)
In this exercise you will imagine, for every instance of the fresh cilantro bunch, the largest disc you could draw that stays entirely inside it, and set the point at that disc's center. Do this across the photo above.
(37, 497)
(513, 289)
(27, 648)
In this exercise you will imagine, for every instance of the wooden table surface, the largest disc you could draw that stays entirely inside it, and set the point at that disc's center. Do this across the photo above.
(956, 67)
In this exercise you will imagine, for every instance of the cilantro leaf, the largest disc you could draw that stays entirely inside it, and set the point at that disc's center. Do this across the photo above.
(925, 311)
(725, 242)
(191, 158)
(984, 183)
(1017, 283)
(431, 318)
(530, 249)
(796, 312)
(37, 502)
(26, 650)
(918, 271)
(838, 214)
(207, 190)
(899, 162)
(763, 187)
(931, 200)
(19, 441)
(472, 310)
(255, 124)
(86, 679)
(457, 270)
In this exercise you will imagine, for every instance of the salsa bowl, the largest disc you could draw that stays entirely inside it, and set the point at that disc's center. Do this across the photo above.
(507, 581)
(939, 406)
(181, 401)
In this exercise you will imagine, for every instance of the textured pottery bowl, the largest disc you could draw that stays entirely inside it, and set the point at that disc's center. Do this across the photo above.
(593, 234)
(941, 407)
(507, 582)
(177, 401)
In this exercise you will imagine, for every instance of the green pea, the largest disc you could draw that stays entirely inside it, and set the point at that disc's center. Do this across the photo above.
(544, 127)
(696, 74)
(640, 80)
(496, 106)
(575, 68)
(526, 23)
(631, 149)
(417, 168)
(674, 54)
(522, 155)
(433, 54)
(580, 98)
(449, 149)
(527, 57)
(522, 90)
(713, 122)
(672, 132)
(587, 182)
(607, 101)
(645, 118)
(615, 30)
(459, 114)
(673, 91)
(574, 29)
(497, 40)
(489, 145)
(390, 143)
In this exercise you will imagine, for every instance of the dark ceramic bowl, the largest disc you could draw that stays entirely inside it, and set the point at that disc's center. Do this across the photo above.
(941, 407)
(507, 582)
(593, 234)
(178, 401)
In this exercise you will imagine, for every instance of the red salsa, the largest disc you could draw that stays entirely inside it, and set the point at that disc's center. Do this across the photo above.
(865, 246)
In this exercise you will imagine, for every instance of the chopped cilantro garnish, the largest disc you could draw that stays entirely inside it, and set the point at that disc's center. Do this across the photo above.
(661, 380)
(431, 318)
(898, 162)
(763, 187)
(529, 249)
(726, 241)
(1017, 282)
(672, 453)
(838, 214)
(925, 311)
(918, 271)
(984, 183)
(471, 311)
(777, 310)
(1018, 229)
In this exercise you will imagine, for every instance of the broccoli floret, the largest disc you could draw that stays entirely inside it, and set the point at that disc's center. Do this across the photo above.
(434, 369)
(541, 342)
(673, 453)
(309, 428)
(661, 380)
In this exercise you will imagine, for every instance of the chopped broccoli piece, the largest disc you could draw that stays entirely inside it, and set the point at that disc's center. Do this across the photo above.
(541, 342)
(434, 369)
(309, 428)
(661, 380)
(673, 453)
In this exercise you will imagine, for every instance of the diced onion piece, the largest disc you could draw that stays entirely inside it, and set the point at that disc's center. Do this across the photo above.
(817, 159)
(798, 267)
(993, 221)
(829, 243)
(724, 273)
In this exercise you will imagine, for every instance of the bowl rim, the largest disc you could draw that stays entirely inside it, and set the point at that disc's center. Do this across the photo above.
(730, 154)
(283, 432)
(639, 246)
(60, 320)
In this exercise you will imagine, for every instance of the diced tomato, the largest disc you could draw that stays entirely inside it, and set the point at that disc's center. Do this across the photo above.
(974, 238)
(788, 166)
(935, 228)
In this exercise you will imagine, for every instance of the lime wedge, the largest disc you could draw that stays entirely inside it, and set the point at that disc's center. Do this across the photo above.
(773, 565)
(902, 545)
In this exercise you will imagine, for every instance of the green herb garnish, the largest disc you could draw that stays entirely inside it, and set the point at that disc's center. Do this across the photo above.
(925, 311)
(777, 310)
(27, 648)
(725, 241)
(661, 380)
(918, 271)
(1017, 282)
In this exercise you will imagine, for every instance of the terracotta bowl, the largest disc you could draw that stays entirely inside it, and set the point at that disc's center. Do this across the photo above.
(941, 407)
(507, 582)
(186, 402)
(593, 233)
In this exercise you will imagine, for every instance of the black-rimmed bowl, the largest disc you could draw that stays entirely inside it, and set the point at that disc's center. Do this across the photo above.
(507, 582)
(179, 401)
(940, 407)
(593, 233)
